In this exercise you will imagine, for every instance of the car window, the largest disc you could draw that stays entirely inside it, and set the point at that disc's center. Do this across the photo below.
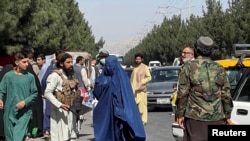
(154, 65)
(165, 75)
(234, 77)
(244, 94)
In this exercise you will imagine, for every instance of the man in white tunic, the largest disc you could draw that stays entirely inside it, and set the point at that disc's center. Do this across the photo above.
(63, 121)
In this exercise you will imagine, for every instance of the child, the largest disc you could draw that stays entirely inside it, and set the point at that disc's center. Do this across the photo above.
(173, 99)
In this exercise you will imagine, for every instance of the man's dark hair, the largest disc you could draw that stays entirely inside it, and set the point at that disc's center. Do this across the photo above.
(29, 51)
(138, 55)
(20, 56)
(41, 55)
(61, 58)
(79, 58)
(59, 52)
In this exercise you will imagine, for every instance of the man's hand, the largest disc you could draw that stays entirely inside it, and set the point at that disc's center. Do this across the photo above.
(1, 104)
(20, 105)
(181, 122)
(65, 107)
(230, 122)
(43, 97)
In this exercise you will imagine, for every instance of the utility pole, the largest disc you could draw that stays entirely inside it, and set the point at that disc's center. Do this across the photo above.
(189, 9)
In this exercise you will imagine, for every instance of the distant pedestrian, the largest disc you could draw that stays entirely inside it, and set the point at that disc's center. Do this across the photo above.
(173, 99)
(81, 75)
(139, 78)
(187, 54)
(19, 98)
(37, 108)
(116, 116)
(100, 61)
(41, 62)
(8, 67)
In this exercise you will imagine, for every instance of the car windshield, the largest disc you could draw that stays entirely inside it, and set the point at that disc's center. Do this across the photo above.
(165, 75)
(155, 65)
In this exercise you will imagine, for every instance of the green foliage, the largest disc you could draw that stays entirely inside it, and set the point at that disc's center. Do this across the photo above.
(225, 27)
(45, 25)
(49, 25)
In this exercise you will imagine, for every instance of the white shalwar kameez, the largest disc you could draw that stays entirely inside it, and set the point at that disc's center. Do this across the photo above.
(62, 123)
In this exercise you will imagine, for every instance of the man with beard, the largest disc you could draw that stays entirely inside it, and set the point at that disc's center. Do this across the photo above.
(139, 78)
(63, 121)
(46, 116)
(203, 96)
(187, 54)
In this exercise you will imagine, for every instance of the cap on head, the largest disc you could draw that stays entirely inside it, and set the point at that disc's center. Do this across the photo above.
(103, 53)
(204, 44)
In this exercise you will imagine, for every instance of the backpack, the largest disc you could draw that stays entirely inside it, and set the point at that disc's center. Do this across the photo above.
(70, 93)
(207, 77)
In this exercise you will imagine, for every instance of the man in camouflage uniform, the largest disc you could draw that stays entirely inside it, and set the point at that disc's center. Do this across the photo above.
(204, 94)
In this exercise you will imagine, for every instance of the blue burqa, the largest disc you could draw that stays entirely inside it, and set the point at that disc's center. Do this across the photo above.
(116, 116)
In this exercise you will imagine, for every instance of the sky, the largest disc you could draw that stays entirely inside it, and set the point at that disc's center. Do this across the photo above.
(129, 20)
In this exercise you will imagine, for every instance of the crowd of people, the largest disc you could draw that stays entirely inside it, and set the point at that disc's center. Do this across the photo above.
(49, 106)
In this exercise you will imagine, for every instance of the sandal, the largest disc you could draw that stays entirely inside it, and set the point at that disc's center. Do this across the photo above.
(27, 138)
(46, 134)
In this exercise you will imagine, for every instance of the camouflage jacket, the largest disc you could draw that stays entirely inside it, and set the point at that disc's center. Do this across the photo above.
(204, 91)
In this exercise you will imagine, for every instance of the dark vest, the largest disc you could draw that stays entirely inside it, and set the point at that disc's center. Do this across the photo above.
(78, 75)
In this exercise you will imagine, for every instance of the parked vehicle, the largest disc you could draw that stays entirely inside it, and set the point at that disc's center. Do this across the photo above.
(238, 70)
(153, 64)
(159, 89)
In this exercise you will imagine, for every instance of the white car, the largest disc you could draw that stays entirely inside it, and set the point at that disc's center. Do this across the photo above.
(241, 110)
(153, 64)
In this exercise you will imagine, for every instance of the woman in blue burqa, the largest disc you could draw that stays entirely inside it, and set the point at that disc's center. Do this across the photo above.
(116, 116)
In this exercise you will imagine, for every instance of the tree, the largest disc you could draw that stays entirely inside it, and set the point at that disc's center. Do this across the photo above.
(44, 25)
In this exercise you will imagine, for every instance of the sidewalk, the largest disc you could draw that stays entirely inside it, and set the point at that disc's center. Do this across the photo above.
(86, 133)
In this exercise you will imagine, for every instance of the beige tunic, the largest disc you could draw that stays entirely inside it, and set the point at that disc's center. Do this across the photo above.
(139, 78)
(63, 123)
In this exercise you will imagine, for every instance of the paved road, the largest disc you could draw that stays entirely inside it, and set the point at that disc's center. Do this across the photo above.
(159, 125)
(86, 133)
(157, 129)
